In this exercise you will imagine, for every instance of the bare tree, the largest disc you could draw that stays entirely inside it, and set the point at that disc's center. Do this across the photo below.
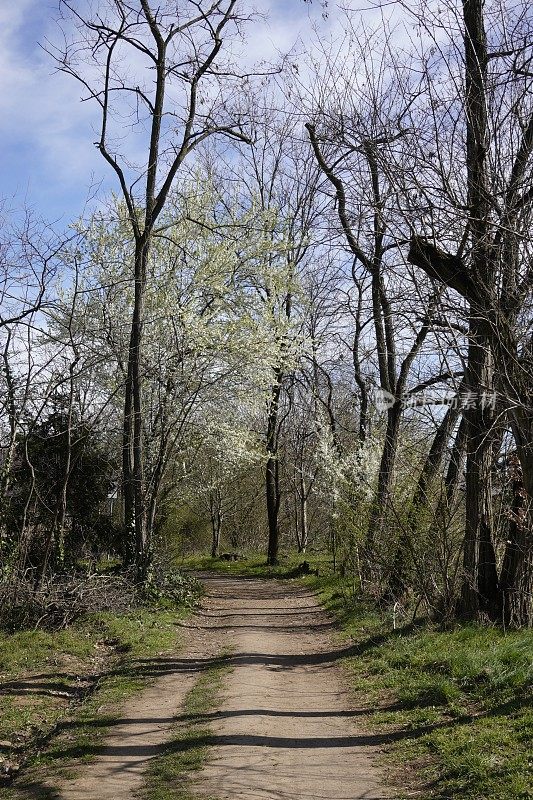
(371, 250)
(490, 267)
(160, 67)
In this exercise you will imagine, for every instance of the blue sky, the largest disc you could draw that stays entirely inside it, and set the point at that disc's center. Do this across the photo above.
(45, 132)
(49, 162)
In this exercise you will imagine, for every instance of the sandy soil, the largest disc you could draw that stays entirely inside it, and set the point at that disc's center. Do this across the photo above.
(286, 729)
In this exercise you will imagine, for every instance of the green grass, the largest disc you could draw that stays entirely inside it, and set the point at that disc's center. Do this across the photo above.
(254, 564)
(58, 658)
(53, 731)
(169, 776)
(458, 704)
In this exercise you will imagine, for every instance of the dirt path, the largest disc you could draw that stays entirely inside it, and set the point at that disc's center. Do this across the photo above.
(146, 720)
(286, 729)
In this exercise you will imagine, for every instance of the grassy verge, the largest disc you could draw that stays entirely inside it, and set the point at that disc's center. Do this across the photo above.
(254, 565)
(457, 704)
(169, 776)
(61, 690)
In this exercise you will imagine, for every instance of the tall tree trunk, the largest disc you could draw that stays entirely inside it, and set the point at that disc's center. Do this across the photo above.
(215, 511)
(448, 503)
(273, 502)
(452, 479)
(480, 590)
(142, 544)
(523, 435)
(127, 468)
(273, 497)
(296, 513)
(517, 569)
(216, 527)
(378, 513)
(304, 530)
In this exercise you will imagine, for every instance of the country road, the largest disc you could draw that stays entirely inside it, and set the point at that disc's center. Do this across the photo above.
(286, 728)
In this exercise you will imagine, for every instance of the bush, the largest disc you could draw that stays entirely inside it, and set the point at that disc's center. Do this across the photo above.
(170, 587)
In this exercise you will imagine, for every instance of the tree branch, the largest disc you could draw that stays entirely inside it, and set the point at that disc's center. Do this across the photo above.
(441, 266)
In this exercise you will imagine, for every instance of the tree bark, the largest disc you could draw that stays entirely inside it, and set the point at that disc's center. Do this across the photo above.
(452, 479)
(480, 591)
(380, 504)
(304, 530)
(273, 501)
(142, 545)
(517, 569)
(273, 496)
(127, 468)
(216, 524)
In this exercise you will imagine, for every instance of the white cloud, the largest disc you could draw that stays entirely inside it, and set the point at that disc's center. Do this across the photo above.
(40, 112)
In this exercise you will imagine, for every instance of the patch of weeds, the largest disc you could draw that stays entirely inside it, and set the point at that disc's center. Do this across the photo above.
(171, 588)
(36, 649)
(169, 775)
(140, 633)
